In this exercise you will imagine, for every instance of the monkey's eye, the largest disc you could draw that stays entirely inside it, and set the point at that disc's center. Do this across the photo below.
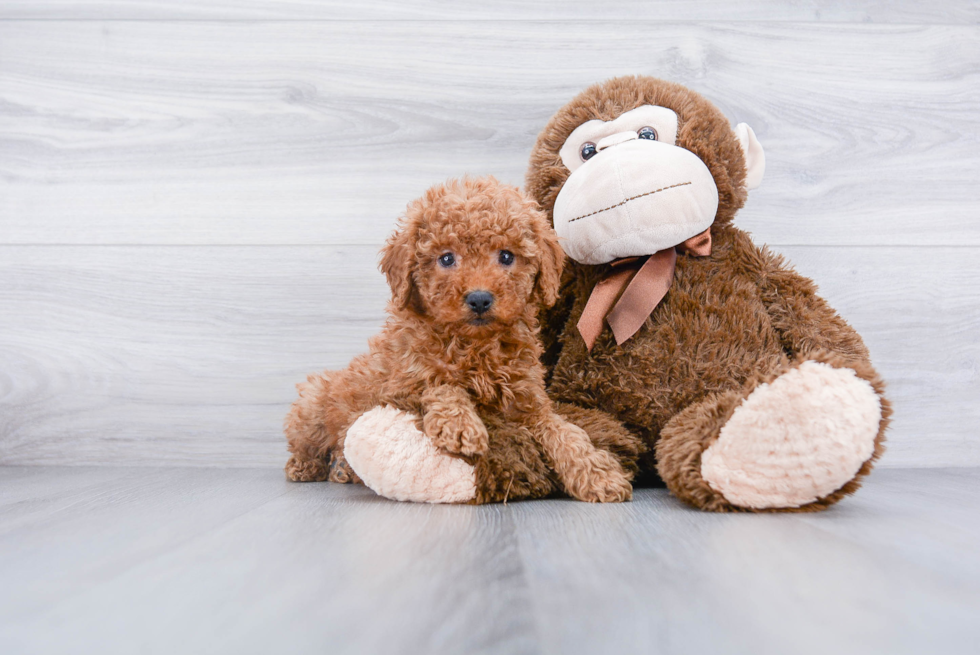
(506, 257)
(647, 133)
(588, 151)
(447, 260)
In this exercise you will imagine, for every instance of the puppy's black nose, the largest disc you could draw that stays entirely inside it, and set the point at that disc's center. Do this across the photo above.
(479, 301)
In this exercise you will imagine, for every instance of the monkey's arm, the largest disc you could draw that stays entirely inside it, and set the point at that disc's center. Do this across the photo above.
(451, 421)
(804, 320)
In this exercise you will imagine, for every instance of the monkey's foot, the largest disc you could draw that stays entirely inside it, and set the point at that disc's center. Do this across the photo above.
(394, 458)
(794, 440)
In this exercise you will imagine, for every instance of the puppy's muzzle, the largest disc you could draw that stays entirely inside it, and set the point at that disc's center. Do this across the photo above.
(479, 302)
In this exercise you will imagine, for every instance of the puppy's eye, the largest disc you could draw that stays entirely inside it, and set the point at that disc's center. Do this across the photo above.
(647, 133)
(447, 260)
(588, 151)
(505, 257)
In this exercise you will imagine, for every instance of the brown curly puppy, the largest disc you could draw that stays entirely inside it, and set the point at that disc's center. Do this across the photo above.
(469, 266)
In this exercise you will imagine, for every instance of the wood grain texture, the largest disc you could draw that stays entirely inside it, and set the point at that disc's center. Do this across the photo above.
(863, 11)
(254, 167)
(300, 133)
(187, 352)
(177, 560)
(177, 355)
(760, 584)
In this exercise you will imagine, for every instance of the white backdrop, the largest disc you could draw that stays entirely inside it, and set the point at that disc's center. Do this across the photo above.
(192, 194)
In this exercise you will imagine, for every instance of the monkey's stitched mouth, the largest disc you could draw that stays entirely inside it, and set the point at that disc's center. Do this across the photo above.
(482, 320)
(620, 204)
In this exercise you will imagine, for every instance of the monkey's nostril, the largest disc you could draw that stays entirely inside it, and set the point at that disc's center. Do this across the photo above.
(479, 301)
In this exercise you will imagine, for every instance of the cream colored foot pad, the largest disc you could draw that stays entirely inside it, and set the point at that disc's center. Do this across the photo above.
(794, 440)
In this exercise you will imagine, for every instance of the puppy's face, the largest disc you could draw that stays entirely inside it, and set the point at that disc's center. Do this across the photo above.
(472, 281)
(474, 256)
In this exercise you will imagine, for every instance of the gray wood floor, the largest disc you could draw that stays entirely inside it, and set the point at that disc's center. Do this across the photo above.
(184, 560)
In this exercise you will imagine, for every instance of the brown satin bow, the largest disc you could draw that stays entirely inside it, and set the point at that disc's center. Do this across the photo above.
(646, 281)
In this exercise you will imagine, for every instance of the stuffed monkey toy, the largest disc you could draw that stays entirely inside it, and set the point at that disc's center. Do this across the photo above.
(749, 390)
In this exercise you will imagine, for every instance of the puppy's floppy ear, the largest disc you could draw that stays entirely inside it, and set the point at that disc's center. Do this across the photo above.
(398, 264)
(551, 259)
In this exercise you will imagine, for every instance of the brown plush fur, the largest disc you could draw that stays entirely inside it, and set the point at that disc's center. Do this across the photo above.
(477, 385)
(729, 322)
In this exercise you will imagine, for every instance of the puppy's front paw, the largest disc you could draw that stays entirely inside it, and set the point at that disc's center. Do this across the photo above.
(456, 430)
(598, 478)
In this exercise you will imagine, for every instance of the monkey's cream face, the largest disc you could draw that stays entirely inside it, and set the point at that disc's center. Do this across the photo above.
(632, 190)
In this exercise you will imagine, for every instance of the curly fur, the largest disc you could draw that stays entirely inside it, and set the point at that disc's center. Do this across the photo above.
(730, 321)
(477, 386)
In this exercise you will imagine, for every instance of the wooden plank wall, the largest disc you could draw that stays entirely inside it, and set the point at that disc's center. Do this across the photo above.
(192, 194)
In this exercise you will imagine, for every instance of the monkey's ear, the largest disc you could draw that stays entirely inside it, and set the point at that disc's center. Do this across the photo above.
(551, 261)
(398, 263)
(755, 158)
